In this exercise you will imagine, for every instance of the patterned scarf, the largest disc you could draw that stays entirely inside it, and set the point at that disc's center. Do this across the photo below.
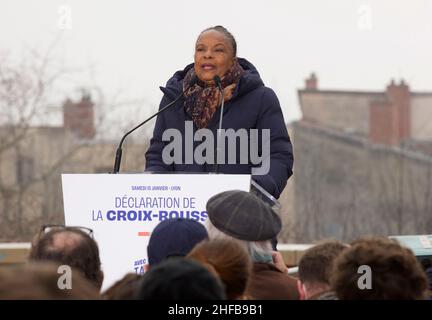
(202, 99)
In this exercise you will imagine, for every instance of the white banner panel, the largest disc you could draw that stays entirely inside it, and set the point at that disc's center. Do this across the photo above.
(123, 210)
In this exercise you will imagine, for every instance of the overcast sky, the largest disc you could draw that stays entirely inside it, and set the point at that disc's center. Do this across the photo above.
(135, 46)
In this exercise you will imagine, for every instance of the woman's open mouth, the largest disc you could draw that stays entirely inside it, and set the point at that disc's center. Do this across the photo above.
(208, 66)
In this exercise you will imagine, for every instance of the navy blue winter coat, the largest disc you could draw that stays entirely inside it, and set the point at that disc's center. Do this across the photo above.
(252, 106)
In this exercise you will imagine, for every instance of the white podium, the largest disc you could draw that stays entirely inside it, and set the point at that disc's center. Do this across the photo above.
(123, 209)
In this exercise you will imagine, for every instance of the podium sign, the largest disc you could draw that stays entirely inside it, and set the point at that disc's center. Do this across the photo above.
(123, 209)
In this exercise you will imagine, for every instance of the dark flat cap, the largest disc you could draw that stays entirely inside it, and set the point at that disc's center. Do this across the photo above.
(243, 215)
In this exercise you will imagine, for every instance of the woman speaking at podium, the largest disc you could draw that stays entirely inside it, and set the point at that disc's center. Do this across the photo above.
(247, 105)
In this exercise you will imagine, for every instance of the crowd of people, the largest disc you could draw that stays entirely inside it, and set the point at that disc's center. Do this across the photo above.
(229, 258)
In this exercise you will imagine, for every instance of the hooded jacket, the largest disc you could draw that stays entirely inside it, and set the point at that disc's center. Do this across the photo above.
(252, 106)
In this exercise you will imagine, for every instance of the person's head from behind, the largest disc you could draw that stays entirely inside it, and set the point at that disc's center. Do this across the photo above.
(229, 259)
(71, 246)
(427, 267)
(174, 238)
(180, 279)
(215, 53)
(41, 281)
(124, 289)
(315, 267)
(242, 216)
(377, 268)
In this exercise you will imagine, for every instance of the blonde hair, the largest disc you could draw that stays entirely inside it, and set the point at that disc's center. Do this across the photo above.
(228, 260)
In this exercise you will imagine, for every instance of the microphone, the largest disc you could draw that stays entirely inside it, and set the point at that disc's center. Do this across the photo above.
(218, 83)
(119, 149)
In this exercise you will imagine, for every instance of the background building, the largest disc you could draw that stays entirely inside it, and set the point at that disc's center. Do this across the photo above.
(32, 159)
(363, 163)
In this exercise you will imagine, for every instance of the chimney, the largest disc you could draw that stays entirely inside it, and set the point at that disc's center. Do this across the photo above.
(390, 120)
(312, 82)
(400, 97)
(79, 117)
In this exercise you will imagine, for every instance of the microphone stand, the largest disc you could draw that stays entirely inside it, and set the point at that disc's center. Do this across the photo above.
(119, 149)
